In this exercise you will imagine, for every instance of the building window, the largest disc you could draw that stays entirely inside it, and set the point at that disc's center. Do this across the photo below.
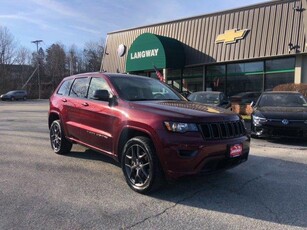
(215, 78)
(279, 71)
(174, 79)
(244, 77)
(192, 79)
(280, 64)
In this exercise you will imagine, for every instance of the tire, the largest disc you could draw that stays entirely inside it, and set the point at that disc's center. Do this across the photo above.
(24, 98)
(13, 99)
(59, 143)
(141, 166)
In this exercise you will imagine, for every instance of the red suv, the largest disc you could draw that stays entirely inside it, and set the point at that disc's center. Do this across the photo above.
(153, 131)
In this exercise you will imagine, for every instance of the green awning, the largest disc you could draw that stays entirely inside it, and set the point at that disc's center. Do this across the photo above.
(150, 50)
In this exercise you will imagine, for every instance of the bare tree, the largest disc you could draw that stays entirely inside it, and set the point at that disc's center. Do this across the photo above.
(7, 46)
(23, 60)
(23, 56)
(93, 55)
(73, 58)
(55, 63)
(7, 50)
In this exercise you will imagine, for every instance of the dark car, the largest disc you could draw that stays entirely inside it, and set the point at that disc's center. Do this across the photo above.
(213, 98)
(245, 97)
(14, 95)
(280, 114)
(153, 131)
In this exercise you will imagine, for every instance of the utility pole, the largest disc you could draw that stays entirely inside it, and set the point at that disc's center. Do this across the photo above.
(38, 77)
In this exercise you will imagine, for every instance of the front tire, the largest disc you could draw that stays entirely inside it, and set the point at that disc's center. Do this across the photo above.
(141, 166)
(59, 143)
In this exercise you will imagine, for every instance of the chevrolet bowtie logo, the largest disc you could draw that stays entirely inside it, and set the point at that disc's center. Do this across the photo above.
(231, 36)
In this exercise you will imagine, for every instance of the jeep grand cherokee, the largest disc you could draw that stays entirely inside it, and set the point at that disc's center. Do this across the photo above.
(153, 131)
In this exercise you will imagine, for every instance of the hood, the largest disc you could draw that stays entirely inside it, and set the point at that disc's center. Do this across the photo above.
(293, 113)
(185, 109)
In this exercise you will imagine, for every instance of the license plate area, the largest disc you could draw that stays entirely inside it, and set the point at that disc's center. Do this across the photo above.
(235, 150)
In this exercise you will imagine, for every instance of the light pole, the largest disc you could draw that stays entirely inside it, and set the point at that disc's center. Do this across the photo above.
(38, 77)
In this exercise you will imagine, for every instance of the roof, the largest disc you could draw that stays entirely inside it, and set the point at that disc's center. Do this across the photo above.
(282, 92)
(273, 2)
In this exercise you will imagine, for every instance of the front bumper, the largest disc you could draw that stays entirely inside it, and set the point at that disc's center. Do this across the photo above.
(201, 157)
(296, 129)
(4, 98)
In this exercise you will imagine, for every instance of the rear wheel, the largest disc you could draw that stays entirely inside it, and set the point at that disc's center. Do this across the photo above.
(13, 99)
(141, 166)
(59, 143)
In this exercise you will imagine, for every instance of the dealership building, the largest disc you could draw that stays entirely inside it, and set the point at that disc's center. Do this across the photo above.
(253, 48)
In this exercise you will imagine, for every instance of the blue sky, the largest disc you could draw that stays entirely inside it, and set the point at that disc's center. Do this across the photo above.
(80, 21)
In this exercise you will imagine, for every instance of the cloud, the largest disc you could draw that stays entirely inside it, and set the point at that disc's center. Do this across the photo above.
(57, 7)
(86, 30)
(28, 19)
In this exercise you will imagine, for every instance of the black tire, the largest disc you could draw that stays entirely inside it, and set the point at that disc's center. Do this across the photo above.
(24, 98)
(141, 166)
(59, 143)
(13, 99)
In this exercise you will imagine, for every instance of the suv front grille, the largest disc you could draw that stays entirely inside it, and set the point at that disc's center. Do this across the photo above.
(222, 130)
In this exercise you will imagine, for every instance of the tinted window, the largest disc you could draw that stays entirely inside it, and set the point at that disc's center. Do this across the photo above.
(280, 64)
(282, 100)
(64, 89)
(97, 83)
(79, 87)
(136, 89)
(215, 78)
(244, 68)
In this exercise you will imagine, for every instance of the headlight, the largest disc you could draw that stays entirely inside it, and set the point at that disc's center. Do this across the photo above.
(258, 120)
(180, 127)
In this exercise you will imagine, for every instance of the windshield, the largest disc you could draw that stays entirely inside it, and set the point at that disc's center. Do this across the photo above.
(282, 100)
(142, 89)
(206, 98)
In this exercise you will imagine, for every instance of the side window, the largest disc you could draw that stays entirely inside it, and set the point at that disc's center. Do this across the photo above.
(79, 87)
(64, 88)
(97, 83)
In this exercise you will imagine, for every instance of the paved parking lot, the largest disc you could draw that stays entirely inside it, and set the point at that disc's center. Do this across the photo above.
(85, 190)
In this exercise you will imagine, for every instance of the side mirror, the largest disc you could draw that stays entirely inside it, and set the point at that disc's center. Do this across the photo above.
(252, 104)
(101, 95)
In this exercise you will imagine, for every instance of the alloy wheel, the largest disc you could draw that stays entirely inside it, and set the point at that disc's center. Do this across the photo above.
(137, 165)
(55, 137)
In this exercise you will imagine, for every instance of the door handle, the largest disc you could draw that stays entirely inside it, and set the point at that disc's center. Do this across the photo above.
(64, 100)
(85, 104)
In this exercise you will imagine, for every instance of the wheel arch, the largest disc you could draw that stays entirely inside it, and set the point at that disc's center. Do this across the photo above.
(52, 117)
(128, 133)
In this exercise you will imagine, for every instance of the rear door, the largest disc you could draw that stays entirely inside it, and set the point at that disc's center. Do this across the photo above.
(74, 106)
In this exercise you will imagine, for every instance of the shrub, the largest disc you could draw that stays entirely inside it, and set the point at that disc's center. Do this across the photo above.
(302, 88)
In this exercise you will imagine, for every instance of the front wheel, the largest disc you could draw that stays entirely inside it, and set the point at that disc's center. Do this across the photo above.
(140, 165)
(59, 143)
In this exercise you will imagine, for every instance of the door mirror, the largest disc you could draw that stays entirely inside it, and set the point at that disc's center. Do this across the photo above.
(101, 95)
(252, 104)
